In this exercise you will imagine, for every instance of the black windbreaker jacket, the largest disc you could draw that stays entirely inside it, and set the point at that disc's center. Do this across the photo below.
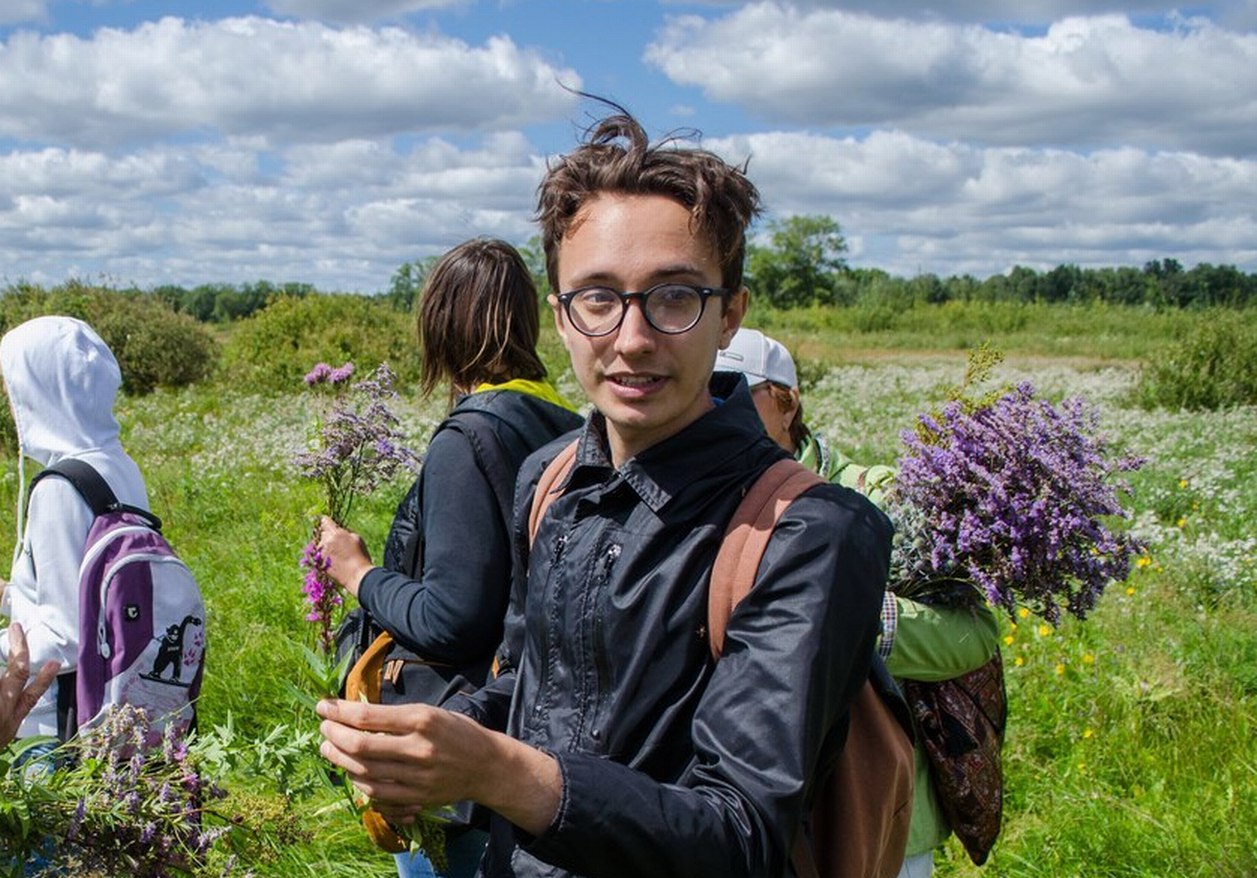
(673, 764)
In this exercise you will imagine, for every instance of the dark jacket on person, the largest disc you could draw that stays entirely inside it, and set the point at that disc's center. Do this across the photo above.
(673, 764)
(443, 588)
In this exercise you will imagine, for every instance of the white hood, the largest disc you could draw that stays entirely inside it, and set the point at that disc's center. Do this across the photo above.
(62, 381)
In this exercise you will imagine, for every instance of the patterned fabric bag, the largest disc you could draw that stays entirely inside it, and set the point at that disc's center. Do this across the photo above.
(960, 722)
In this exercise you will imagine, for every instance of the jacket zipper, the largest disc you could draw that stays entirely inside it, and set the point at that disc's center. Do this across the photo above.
(598, 644)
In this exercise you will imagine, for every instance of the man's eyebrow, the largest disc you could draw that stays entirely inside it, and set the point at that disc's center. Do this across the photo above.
(606, 278)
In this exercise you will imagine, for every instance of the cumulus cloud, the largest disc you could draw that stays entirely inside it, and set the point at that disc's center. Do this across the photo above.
(341, 215)
(282, 82)
(950, 209)
(19, 11)
(1084, 83)
(356, 11)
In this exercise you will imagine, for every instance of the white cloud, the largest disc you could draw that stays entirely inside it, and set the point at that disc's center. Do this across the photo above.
(342, 216)
(916, 205)
(356, 11)
(280, 81)
(18, 11)
(1086, 82)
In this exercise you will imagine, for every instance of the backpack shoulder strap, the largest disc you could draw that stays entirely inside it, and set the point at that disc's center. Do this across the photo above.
(490, 453)
(549, 486)
(747, 537)
(94, 490)
(91, 486)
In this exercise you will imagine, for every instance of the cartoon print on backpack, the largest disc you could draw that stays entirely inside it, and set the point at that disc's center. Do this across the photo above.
(170, 653)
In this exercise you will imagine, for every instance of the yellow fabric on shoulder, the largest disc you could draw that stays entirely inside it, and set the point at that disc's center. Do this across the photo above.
(543, 390)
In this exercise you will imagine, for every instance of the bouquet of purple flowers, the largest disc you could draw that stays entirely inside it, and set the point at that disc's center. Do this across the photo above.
(357, 447)
(1010, 496)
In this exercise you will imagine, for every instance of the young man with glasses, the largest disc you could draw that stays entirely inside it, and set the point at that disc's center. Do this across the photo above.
(611, 743)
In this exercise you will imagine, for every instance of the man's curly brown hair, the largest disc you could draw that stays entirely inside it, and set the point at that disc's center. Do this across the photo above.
(618, 158)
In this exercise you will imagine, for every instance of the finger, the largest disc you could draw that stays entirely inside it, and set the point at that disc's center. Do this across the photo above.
(397, 719)
(17, 639)
(44, 679)
(31, 694)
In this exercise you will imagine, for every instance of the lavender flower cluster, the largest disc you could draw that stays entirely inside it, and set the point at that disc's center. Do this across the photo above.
(132, 802)
(1011, 496)
(358, 438)
(358, 447)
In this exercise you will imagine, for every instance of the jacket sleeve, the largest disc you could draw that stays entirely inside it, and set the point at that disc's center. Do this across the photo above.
(453, 612)
(938, 643)
(797, 650)
(45, 587)
(490, 706)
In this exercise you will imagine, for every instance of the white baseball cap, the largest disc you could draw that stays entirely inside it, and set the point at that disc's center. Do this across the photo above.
(759, 357)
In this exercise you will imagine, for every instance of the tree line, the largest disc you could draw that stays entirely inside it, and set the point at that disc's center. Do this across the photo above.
(799, 262)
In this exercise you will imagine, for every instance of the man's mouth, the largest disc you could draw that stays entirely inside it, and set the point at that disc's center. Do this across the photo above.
(635, 382)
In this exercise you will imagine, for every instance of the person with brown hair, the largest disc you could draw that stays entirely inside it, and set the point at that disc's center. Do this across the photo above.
(442, 590)
(611, 743)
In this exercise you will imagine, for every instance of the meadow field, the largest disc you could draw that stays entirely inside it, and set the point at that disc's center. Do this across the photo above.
(1132, 740)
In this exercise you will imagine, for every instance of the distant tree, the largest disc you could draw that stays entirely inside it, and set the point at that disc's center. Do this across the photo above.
(407, 282)
(535, 258)
(802, 264)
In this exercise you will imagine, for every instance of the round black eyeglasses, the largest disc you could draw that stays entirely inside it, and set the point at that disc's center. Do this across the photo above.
(670, 308)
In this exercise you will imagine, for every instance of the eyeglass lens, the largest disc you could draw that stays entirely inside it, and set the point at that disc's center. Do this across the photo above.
(670, 308)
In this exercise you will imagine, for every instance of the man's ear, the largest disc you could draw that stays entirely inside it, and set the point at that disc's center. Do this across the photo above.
(733, 316)
(559, 323)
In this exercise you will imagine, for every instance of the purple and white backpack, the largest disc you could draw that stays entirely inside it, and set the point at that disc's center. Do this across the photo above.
(141, 616)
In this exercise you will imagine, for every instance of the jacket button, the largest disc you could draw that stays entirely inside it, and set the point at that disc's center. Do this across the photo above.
(596, 734)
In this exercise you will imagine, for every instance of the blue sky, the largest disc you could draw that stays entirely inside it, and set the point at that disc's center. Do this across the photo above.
(329, 141)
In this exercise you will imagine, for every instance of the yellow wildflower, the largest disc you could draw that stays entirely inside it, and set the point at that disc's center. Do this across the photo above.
(1087, 733)
(1060, 669)
(1008, 640)
(1023, 612)
(1045, 630)
(1088, 659)
(1019, 661)
(1130, 591)
(1182, 483)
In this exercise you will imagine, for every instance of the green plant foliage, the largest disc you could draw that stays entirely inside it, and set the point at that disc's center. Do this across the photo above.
(274, 348)
(1214, 367)
(155, 346)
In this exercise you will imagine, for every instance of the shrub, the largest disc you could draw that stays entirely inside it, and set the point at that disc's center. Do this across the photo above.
(275, 347)
(154, 346)
(1214, 367)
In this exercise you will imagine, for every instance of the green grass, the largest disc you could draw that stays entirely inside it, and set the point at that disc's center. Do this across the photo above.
(1131, 748)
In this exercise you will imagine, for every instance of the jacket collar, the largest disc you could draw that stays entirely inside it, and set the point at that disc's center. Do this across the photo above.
(718, 439)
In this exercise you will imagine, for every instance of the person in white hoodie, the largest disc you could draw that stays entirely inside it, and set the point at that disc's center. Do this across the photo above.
(62, 380)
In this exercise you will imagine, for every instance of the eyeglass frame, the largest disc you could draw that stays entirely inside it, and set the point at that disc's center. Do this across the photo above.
(704, 293)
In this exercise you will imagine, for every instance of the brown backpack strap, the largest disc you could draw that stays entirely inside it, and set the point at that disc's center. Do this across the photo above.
(362, 683)
(747, 537)
(548, 486)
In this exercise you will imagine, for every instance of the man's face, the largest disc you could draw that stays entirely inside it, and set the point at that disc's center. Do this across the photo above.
(648, 385)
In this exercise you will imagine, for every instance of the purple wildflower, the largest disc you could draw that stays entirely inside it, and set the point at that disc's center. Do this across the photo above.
(340, 374)
(318, 374)
(358, 447)
(1011, 497)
